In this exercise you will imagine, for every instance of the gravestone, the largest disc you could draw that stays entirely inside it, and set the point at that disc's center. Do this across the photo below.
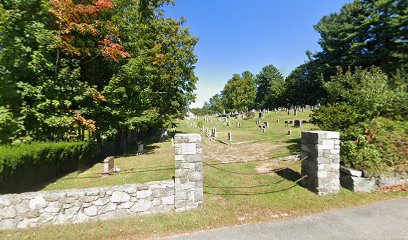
(298, 123)
(108, 164)
(258, 121)
(140, 148)
(266, 124)
(277, 120)
(238, 124)
(229, 136)
(289, 132)
(214, 132)
(295, 111)
(261, 115)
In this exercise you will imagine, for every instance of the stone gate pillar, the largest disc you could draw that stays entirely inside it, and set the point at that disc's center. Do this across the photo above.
(188, 172)
(322, 165)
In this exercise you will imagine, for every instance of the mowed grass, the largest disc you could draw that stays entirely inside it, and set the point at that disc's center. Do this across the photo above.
(156, 164)
(229, 198)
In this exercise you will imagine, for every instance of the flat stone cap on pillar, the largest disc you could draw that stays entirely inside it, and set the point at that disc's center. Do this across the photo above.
(315, 136)
(191, 137)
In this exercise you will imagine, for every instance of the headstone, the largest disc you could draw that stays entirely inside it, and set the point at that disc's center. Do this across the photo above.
(289, 132)
(238, 124)
(277, 120)
(263, 130)
(257, 121)
(261, 115)
(298, 123)
(229, 136)
(140, 148)
(295, 111)
(108, 165)
(288, 111)
(214, 132)
(266, 124)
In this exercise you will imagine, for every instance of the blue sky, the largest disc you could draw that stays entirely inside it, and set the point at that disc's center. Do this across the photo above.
(236, 36)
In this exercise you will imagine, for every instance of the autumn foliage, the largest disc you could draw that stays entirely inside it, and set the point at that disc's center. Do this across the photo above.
(83, 31)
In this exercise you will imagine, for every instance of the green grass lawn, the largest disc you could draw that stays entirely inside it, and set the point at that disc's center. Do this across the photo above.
(223, 205)
(156, 164)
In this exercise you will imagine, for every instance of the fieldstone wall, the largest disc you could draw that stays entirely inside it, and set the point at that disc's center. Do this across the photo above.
(189, 172)
(322, 165)
(356, 181)
(35, 209)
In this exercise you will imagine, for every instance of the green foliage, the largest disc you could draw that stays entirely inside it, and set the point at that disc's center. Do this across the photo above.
(335, 117)
(22, 166)
(303, 86)
(51, 74)
(376, 146)
(216, 103)
(366, 90)
(240, 92)
(8, 126)
(270, 85)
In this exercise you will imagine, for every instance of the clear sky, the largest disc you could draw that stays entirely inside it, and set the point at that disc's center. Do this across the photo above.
(240, 35)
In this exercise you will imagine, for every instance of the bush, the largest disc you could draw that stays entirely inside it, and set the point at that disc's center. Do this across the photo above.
(335, 117)
(24, 166)
(376, 146)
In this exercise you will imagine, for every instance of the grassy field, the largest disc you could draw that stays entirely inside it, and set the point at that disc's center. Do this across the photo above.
(156, 164)
(229, 199)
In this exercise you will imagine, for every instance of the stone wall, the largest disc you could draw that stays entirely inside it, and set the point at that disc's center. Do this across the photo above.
(189, 171)
(185, 192)
(356, 181)
(322, 165)
(35, 209)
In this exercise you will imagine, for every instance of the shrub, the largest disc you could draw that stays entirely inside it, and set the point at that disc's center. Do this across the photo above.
(23, 166)
(376, 146)
(335, 117)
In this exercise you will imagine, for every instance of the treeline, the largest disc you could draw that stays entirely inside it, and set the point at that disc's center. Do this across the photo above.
(362, 35)
(100, 68)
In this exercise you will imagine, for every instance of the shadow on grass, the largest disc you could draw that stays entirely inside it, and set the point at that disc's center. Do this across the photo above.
(294, 146)
(290, 174)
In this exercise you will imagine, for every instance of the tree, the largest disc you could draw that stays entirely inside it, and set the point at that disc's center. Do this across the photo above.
(216, 103)
(270, 85)
(106, 66)
(158, 80)
(240, 92)
(304, 86)
(364, 33)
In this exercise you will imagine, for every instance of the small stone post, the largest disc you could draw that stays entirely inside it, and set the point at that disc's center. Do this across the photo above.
(322, 165)
(229, 136)
(289, 132)
(108, 165)
(188, 172)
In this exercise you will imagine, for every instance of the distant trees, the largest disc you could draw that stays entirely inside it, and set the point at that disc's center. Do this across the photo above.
(240, 92)
(270, 86)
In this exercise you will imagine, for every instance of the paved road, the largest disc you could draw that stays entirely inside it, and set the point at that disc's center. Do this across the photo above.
(383, 221)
